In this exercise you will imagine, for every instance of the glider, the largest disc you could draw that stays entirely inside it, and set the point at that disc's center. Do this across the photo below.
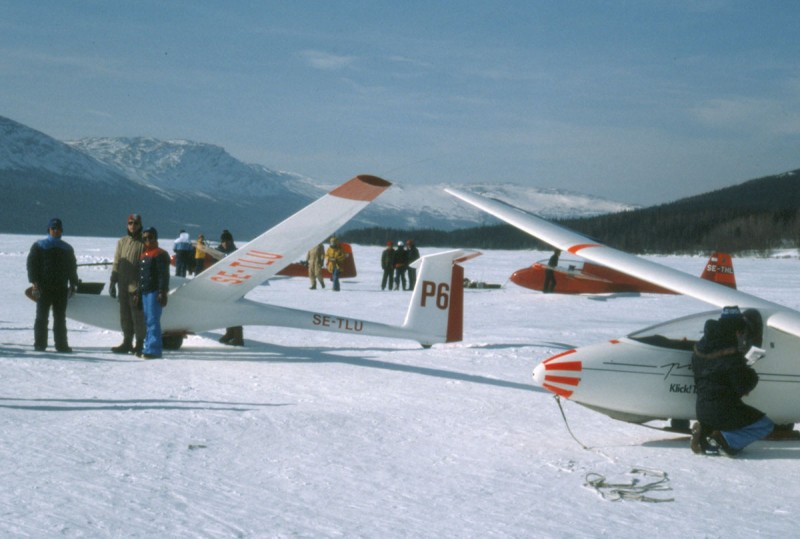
(215, 298)
(647, 375)
(583, 277)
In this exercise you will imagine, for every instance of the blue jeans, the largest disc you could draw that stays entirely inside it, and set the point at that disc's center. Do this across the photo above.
(335, 279)
(152, 321)
(741, 438)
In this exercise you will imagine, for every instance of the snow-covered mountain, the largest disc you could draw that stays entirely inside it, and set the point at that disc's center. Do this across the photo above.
(94, 182)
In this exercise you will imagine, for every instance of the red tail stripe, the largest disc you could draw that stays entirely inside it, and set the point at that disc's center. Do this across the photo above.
(455, 316)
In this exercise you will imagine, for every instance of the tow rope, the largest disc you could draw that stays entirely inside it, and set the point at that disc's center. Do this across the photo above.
(633, 490)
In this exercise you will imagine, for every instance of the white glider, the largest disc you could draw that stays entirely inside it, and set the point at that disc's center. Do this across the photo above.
(647, 375)
(215, 298)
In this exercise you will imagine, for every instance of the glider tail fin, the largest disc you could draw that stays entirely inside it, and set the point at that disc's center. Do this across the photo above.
(719, 269)
(436, 312)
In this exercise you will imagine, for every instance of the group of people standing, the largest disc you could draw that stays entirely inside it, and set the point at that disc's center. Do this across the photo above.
(190, 259)
(140, 282)
(332, 259)
(396, 265)
(140, 277)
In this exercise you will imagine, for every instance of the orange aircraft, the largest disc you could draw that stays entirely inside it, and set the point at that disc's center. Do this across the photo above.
(583, 277)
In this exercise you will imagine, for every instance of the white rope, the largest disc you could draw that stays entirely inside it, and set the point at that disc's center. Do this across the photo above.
(633, 490)
(622, 491)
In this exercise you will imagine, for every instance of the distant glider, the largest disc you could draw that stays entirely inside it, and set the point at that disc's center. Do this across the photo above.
(647, 375)
(215, 298)
(583, 277)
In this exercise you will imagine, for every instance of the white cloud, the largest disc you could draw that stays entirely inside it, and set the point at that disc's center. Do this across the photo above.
(326, 61)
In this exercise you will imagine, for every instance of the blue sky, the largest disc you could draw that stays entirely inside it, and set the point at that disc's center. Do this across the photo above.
(638, 101)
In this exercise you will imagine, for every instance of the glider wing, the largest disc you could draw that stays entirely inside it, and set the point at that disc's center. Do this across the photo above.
(257, 261)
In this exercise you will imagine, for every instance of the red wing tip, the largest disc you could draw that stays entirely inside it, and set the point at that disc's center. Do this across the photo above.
(363, 187)
(373, 180)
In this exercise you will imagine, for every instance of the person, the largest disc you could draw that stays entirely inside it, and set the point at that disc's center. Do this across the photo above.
(314, 260)
(334, 258)
(234, 336)
(413, 254)
(152, 292)
(53, 274)
(400, 266)
(387, 263)
(123, 285)
(199, 254)
(183, 253)
(722, 377)
(549, 273)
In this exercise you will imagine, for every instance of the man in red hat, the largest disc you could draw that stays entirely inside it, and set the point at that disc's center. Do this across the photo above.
(387, 263)
(124, 281)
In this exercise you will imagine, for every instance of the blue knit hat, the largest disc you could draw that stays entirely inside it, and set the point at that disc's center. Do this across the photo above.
(55, 222)
(731, 311)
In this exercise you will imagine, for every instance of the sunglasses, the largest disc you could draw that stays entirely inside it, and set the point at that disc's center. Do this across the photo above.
(132, 223)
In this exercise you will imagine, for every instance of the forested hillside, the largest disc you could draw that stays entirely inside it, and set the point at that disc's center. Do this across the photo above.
(755, 216)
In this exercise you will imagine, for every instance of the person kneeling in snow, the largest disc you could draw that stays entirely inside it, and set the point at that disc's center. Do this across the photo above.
(722, 377)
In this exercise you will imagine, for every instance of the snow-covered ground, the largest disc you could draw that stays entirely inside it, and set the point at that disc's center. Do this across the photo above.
(310, 434)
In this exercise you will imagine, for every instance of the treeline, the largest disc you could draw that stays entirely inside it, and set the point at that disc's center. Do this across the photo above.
(757, 216)
(656, 232)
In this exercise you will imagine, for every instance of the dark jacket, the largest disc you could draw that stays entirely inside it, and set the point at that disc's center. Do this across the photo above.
(401, 258)
(413, 253)
(387, 259)
(722, 377)
(52, 265)
(154, 271)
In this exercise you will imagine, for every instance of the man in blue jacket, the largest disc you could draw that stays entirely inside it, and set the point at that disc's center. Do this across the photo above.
(152, 292)
(52, 270)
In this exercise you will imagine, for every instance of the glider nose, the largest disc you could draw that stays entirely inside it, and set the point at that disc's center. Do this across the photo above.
(538, 374)
(560, 374)
(523, 277)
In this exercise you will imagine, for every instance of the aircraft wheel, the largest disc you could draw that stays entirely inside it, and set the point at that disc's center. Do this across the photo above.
(172, 342)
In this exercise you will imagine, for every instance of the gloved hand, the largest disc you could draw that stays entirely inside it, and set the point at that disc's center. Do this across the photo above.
(162, 298)
(36, 293)
(112, 289)
(71, 292)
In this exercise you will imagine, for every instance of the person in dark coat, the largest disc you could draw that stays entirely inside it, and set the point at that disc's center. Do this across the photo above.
(234, 336)
(53, 272)
(413, 254)
(722, 377)
(400, 266)
(549, 273)
(152, 292)
(387, 264)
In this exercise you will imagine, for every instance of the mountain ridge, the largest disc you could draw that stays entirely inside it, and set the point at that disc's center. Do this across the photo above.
(93, 183)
